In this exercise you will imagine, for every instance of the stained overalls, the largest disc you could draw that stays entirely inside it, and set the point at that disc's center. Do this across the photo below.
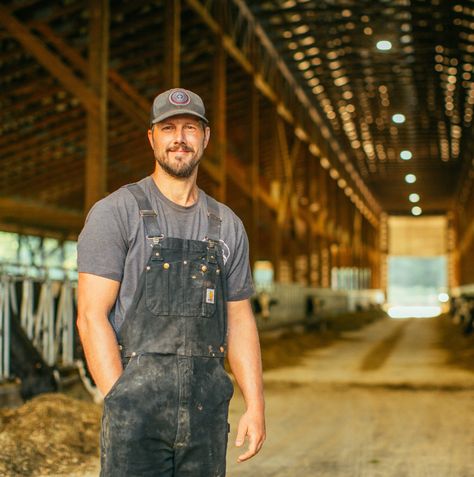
(167, 413)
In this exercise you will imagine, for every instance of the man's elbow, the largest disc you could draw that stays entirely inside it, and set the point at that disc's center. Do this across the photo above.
(82, 322)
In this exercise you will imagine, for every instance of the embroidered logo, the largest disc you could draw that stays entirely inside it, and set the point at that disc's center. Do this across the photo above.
(179, 97)
(210, 295)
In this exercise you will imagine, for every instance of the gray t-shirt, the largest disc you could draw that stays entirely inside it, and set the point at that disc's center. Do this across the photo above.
(112, 243)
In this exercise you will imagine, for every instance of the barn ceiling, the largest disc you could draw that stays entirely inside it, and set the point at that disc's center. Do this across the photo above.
(325, 52)
(331, 48)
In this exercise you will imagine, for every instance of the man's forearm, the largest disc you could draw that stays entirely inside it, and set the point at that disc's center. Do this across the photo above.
(101, 350)
(244, 354)
(245, 362)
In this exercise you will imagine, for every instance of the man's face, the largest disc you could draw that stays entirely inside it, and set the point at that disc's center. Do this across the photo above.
(178, 144)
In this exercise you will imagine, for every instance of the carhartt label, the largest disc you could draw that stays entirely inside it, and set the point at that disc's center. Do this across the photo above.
(210, 295)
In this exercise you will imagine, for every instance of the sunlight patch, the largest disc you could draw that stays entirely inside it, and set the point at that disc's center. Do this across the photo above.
(414, 311)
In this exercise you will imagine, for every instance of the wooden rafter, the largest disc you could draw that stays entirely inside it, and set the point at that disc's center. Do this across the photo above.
(49, 60)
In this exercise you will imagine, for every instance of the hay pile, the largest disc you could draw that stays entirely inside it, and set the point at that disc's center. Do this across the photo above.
(50, 435)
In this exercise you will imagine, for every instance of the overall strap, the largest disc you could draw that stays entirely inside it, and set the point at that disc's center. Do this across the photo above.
(214, 224)
(146, 211)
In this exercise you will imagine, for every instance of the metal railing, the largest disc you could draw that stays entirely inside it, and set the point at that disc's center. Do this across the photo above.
(44, 309)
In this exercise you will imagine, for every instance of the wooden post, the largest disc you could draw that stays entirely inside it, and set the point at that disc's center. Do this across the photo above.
(219, 120)
(255, 172)
(172, 50)
(276, 185)
(96, 134)
(310, 197)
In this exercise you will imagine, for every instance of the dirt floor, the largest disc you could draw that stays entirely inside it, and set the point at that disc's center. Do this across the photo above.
(393, 398)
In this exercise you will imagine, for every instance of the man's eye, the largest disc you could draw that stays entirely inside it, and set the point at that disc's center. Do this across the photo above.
(191, 127)
(166, 128)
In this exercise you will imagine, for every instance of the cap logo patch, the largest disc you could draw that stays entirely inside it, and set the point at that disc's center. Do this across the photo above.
(179, 98)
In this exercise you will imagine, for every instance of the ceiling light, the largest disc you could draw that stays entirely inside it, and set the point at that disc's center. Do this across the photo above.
(414, 198)
(384, 45)
(406, 155)
(410, 178)
(416, 210)
(398, 118)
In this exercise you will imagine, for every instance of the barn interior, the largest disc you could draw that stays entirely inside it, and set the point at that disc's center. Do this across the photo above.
(341, 135)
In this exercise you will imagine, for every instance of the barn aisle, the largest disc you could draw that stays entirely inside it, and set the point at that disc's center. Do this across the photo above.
(379, 402)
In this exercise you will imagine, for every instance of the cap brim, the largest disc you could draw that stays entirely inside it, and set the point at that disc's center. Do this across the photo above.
(179, 112)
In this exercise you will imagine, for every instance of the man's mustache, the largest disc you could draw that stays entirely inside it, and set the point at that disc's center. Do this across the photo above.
(182, 146)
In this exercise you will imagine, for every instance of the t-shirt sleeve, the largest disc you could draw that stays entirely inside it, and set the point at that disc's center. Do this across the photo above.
(239, 276)
(102, 245)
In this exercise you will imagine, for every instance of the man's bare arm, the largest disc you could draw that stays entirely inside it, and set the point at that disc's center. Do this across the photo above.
(246, 364)
(96, 296)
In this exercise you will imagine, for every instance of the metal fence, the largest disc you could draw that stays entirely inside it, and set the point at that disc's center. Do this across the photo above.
(45, 310)
(285, 304)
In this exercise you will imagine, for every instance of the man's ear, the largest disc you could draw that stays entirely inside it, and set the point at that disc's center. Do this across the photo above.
(207, 135)
(150, 137)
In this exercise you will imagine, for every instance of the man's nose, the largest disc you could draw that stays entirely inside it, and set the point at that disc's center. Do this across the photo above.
(179, 135)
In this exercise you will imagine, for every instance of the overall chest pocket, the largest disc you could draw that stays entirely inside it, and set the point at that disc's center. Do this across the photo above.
(157, 285)
(200, 287)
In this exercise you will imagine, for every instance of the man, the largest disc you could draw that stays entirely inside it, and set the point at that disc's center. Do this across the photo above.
(163, 296)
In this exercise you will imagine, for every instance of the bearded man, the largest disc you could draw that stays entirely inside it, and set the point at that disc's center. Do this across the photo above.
(163, 297)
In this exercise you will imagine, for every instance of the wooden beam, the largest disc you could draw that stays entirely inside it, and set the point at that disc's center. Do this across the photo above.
(172, 49)
(48, 60)
(120, 91)
(34, 214)
(96, 134)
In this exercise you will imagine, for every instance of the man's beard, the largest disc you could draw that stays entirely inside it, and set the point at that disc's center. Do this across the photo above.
(181, 170)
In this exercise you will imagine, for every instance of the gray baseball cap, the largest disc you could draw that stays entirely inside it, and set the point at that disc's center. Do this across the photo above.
(174, 102)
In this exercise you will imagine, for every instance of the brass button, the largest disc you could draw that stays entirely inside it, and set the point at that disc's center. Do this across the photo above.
(221, 349)
(204, 268)
(218, 271)
(166, 266)
(185, 262)
(148, 268)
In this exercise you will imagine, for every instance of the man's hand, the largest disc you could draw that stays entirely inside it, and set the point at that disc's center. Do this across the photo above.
(252, 426)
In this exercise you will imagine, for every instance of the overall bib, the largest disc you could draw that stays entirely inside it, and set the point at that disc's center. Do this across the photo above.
(167, 414)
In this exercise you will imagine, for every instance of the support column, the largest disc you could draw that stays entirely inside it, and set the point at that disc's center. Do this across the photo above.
(311, 195)
(219, 123)
(96, 134)
(255, 172)
(276, 192)
(172, 53)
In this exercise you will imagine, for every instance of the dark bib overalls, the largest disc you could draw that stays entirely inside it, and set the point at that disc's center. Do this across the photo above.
(167, 413)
